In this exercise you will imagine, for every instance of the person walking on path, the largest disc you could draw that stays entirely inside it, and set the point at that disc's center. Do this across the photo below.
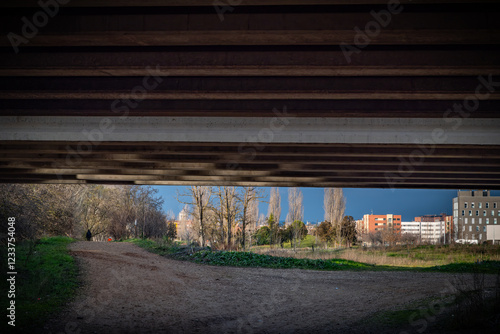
(89, 235)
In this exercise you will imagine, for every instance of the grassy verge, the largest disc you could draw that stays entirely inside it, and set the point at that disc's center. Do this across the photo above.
(447, 258)
(46, 279)
(308, 242)
(248, 259)
(251, 259)
(466, 305)
(157, 246)
(415, 317)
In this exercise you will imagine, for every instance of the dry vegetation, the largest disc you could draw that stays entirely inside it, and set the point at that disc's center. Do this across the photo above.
(420, 256)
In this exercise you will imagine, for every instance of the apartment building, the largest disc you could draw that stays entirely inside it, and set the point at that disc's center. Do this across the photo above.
(473, 211)
(426, 231)
(442, 219)
(375, 223)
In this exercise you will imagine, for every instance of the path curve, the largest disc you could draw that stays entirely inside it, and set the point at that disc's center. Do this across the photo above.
(129, 290)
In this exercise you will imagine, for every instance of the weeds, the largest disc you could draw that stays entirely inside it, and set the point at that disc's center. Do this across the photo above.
(282, 258)
(420, 256)
(248, 259)
(47, 277)
(476, 308)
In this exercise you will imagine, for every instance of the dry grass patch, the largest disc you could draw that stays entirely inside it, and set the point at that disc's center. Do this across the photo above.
(420, 256)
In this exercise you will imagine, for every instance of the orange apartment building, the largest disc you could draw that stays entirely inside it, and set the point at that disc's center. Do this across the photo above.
(375, 223)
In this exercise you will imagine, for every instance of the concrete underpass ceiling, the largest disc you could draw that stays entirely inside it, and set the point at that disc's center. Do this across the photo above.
(266, 93)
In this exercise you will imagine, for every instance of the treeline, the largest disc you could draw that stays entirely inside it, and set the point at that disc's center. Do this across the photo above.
(275, 233)
(228, 217)
(222, 217)
(345, 233)
(106, 210)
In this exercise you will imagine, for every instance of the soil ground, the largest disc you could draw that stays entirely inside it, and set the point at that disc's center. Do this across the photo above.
(129, 290)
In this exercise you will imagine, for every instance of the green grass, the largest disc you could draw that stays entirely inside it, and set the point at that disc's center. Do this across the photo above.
(401, 319)
(156, 246)
(44, 283)
(486, 267)
(443, 254)
(308, 242)
(244, 259)
(250, 259)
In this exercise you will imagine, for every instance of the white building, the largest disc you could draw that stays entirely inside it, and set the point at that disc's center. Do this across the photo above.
(184, 225)
(184, 214)
(431, 232)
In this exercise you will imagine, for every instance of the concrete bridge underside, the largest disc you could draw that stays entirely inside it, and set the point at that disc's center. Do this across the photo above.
(266, 93)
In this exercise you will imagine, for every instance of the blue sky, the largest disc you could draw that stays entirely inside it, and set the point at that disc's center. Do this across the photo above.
(407, 202)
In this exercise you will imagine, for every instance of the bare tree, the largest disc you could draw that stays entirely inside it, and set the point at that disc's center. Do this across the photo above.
(274, 214)
(148, 209)
(274, 204)
(200, 198)
(217, 216)
(348, 230)
(334, 205)
(297, 231)
(123, 213)
(44, 209)
(375, 237)
(249, 199)
(72, 209)
(93, 210)
(229, 202)
(295, 206)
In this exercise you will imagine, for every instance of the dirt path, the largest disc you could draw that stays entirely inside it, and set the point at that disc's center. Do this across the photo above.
(129, 290)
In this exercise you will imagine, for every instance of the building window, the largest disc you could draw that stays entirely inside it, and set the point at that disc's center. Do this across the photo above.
(480, 205)
(498, 213)
(465, 205)
(463, 212)
(470, 228)
(473, 221)
(494, 220)
(473, 236)
(484, 212)
(470, 212)
(463, 228)
(487, 205)
(484, 228)
(495, 205)
(466, 220)
(472, 205)
(492, 212)
(487, 220)
(480, 237)
(480, 220)
(477, 212)
(477, 228)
